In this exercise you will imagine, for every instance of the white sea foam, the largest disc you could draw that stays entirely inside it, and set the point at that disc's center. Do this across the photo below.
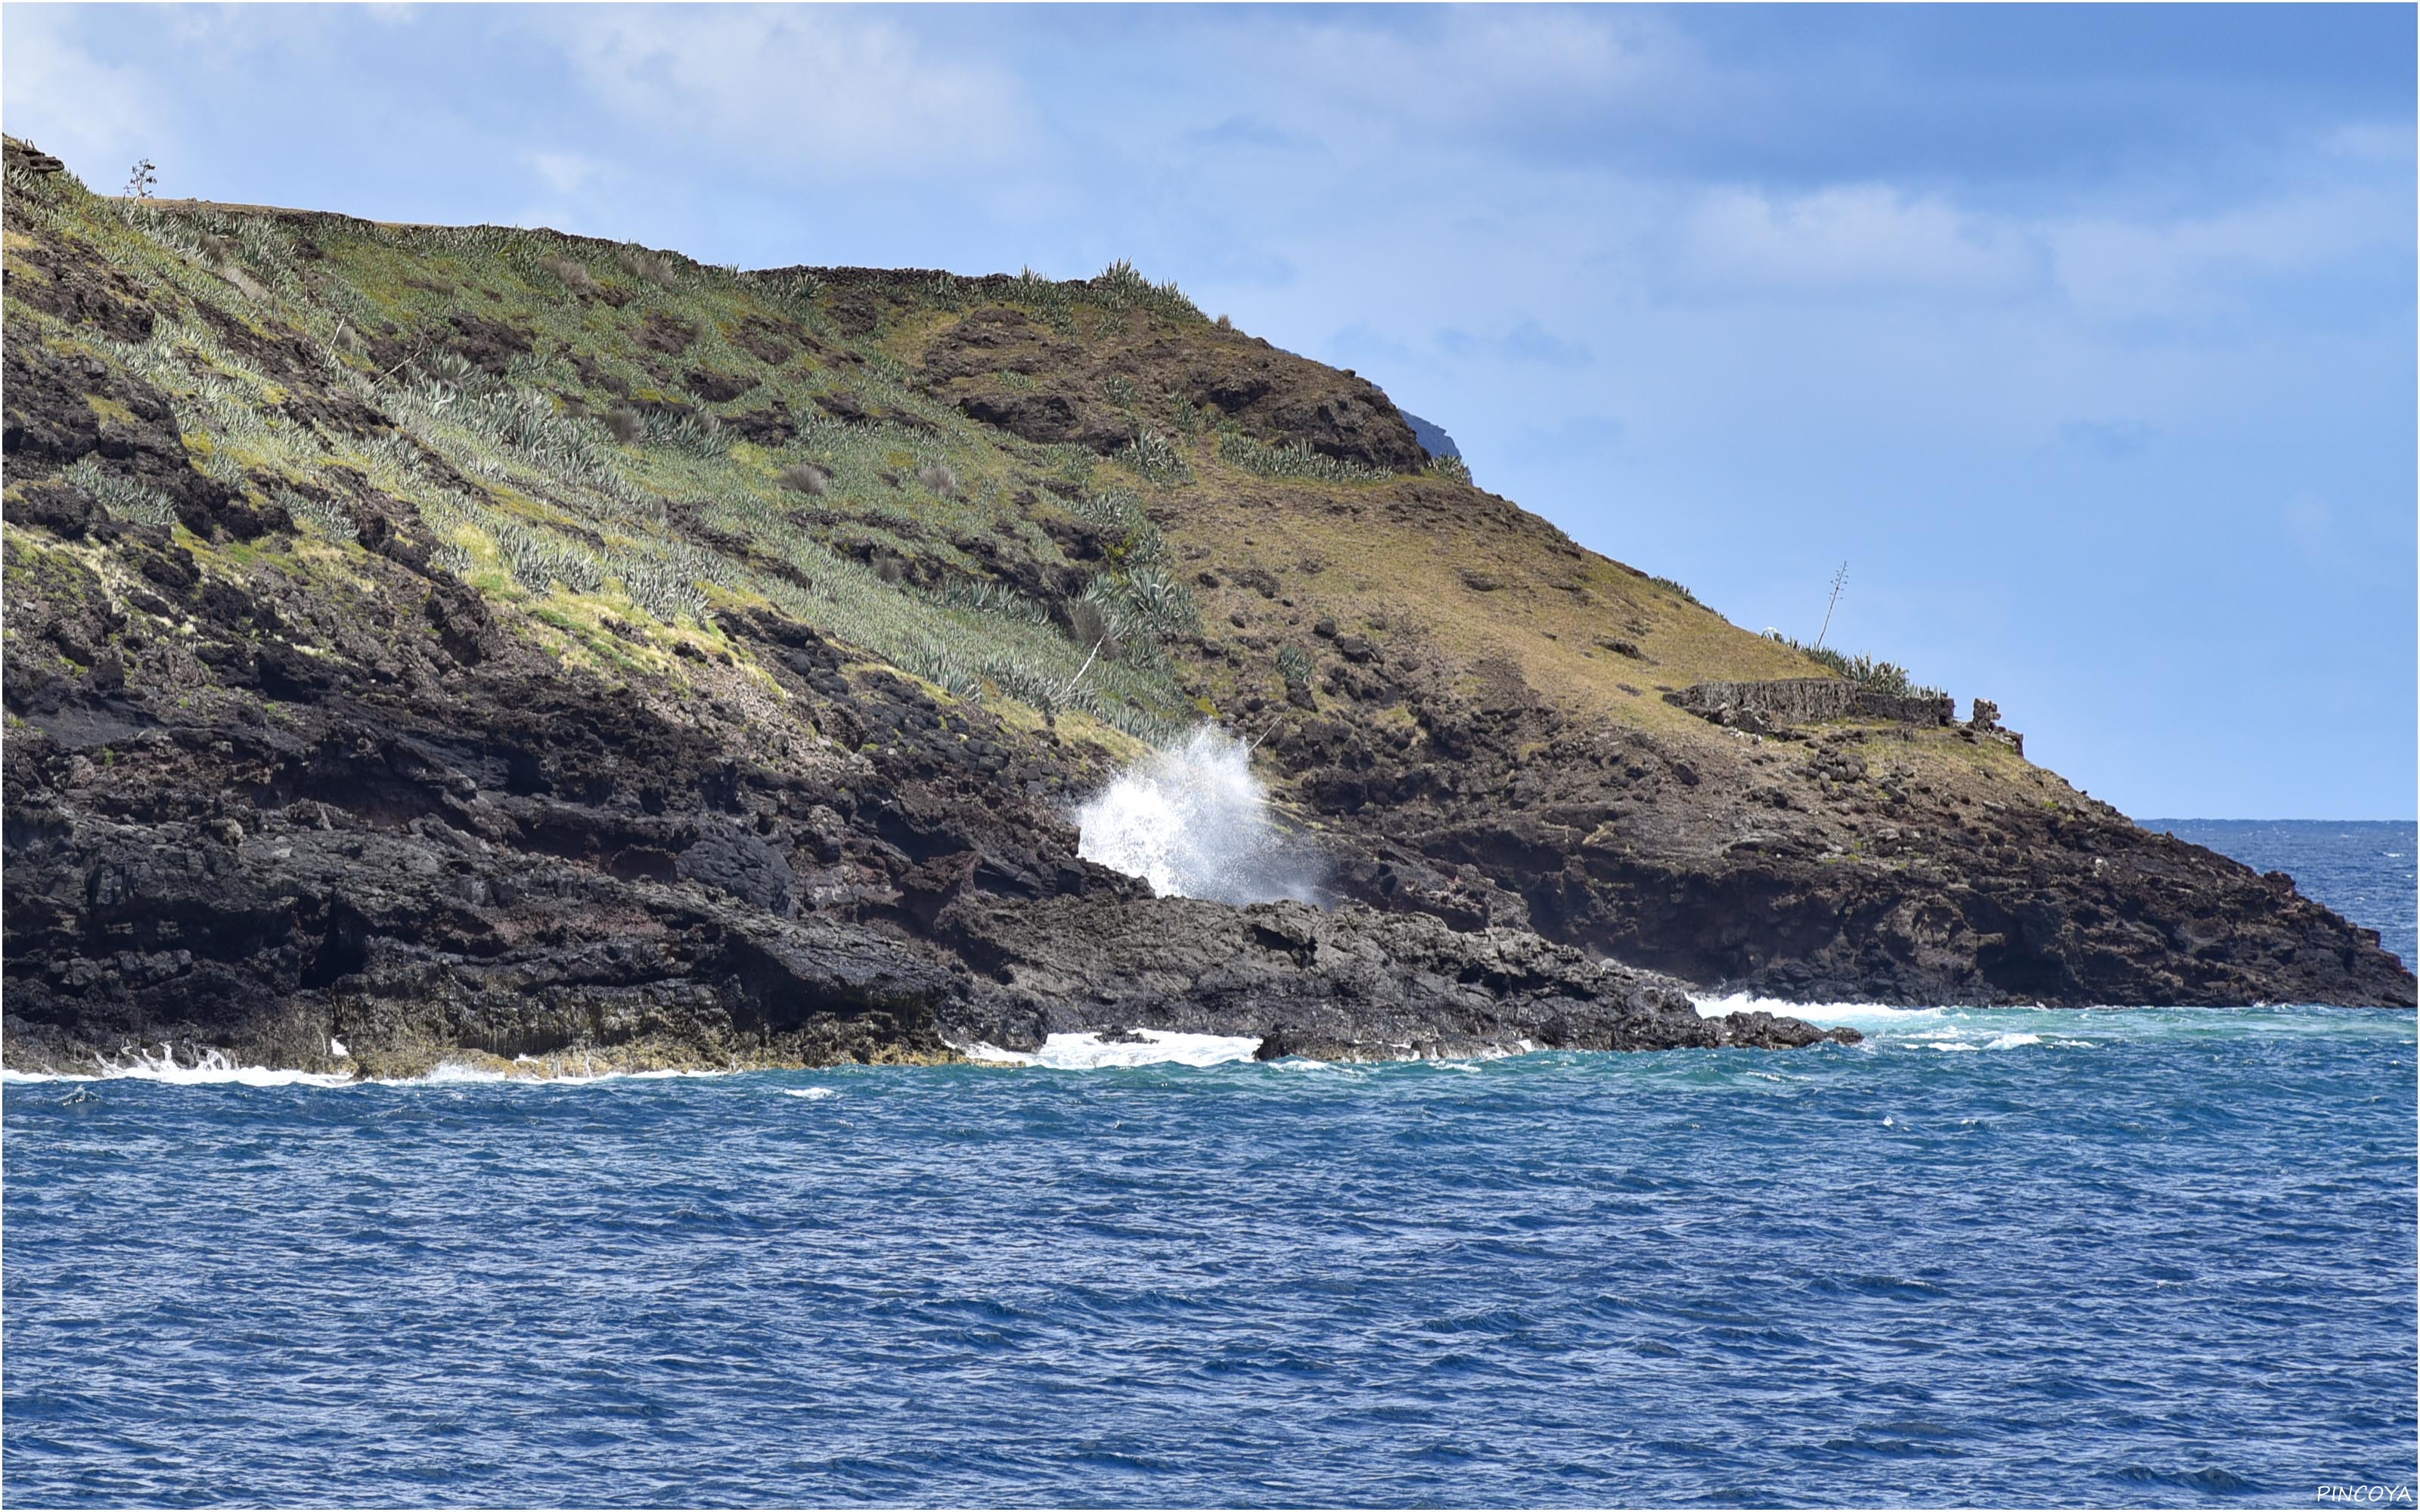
(211, 1068)
(1829, 1015)
(1193, 822)
(2014, 1042)
(813, 1094)
(1156, 1047)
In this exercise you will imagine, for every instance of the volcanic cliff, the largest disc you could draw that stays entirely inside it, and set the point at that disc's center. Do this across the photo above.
(444, 641)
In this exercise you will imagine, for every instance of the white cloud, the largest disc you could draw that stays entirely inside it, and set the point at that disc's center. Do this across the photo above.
(1866, 238)
(98, 116)
(564, 172)
(2138, 267)
(794, 85)
(1485, 67)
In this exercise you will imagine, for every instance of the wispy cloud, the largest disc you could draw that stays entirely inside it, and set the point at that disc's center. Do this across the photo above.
(98, 115)
(837, 89)
(1852, 239)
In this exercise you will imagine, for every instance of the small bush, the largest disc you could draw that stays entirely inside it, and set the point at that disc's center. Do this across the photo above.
(1454, 467)
(644, 266)
(1295, 459)
(1675, 590)
(572, 275)
(1088, 625)
(1294, 666)
(1885, 677)
(1119, 287)
(1156, 458)
(806, 478)
(937, 477)
(121, 497)
(624, 422)
(696, 435)
(1121, 391)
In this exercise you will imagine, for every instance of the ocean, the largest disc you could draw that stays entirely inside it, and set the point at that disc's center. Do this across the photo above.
(2148, 1257)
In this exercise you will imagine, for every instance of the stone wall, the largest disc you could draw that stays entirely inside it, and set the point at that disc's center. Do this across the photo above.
(1810, 700)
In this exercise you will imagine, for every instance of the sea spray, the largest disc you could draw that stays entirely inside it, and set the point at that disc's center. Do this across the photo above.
(1193, 822)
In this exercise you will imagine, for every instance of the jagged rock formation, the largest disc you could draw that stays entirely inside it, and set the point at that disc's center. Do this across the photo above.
(493, 643)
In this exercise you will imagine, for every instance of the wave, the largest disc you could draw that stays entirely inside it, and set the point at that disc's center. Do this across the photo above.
(1828, 1015)
(211, 1068)
(1155, 1047)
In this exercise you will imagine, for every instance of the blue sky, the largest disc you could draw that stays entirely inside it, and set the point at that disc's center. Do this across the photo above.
(2085, 334)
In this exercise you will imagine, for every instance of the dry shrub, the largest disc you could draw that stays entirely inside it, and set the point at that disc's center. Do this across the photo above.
(1088, 626)
(572, 275)
(648, 266)
(937, 477)
(806, 478)
(624, 422)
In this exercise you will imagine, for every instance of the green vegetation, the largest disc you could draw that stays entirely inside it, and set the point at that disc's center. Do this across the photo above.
(540, 407)
(1885, 677)
(1294, 460)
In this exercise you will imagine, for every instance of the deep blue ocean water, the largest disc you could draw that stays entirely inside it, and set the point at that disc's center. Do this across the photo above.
(2148, 1256)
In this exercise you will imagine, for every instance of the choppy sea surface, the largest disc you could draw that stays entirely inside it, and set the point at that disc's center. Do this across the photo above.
(2014, 1256)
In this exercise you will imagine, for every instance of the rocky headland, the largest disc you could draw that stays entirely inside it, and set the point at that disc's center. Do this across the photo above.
(448, 642)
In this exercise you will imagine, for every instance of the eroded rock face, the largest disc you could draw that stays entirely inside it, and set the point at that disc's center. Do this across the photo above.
(1350, 983)
(1803, 870)
(460, 856)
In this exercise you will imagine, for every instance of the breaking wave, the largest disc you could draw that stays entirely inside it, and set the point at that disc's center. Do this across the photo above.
(1194, 822)
(1155, 1047)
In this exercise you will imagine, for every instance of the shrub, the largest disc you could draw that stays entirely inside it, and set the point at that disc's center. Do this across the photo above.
(1119, 287)
(1088, 625)
(937, 477)
(122, 497)
(624, 422)
(695, 435)
(646, 267)
(324, 516)
(806, 478)
(1454, 467)
(572, 275)
(1675, 590)
(1294, 666)
(1295, 459)
(1884, 677)
(1159, 600)
(1156, 458)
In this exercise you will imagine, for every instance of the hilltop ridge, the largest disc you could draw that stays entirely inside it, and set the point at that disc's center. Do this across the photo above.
(446, 639)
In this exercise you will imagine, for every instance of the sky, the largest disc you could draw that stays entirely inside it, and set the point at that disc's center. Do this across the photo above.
(2083, 335)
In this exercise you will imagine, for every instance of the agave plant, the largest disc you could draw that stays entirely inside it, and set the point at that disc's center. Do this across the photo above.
(1156, 458)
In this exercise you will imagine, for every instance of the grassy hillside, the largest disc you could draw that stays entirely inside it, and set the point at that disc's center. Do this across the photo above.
(614, 443)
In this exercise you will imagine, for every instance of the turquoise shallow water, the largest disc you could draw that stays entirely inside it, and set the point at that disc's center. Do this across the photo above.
(2147, 1256)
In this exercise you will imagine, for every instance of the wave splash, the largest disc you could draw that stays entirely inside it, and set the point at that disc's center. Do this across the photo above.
(1193, 822)
(1148, 1047)
(211, 1068)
